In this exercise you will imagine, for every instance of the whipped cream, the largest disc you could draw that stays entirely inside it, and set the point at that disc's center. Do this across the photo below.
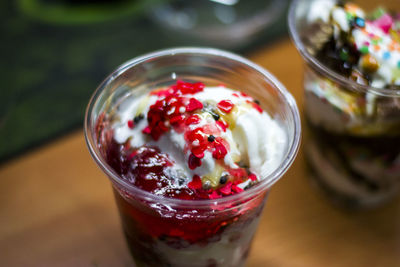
(252, 138)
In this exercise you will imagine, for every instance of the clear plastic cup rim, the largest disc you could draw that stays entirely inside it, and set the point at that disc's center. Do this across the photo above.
(263, 185)
(325, 70)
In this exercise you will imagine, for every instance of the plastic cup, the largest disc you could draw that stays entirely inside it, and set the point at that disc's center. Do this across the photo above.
(163, 231)
(353, 140)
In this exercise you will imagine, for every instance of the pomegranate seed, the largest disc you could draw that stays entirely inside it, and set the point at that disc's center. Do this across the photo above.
(226, 189)
(225, 105)
(130, 124)
(162, 127)
(195, 183)
(194, 119)
(198, 87)
(198, 151)
(222, 124)
(236, 189)
(257, 107)
(155, 134)
(146, 130)
(214, 195)
(253, 177)
(220, 151)
(196, 134)
(194, 162)
(177, 120)
(193, 105)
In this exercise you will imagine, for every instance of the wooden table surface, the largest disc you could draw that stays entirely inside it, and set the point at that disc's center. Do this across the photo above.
(57, 208)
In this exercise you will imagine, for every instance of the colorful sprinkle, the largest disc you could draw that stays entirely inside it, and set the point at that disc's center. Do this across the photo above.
(349, 16)
(344, 54)
(376, 40)
(360, 22)
(364, 49)
(392, 46)
(386, 55)
(384, 22)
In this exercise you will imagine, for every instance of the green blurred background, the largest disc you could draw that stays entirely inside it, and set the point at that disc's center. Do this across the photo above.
(56, 52)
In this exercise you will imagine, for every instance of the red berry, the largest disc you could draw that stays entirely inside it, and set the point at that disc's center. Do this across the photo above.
(226, 189)
(194, 162)
(257, 107)
(194, 119)
(220, 150)
(195, 183)
(176, 120)
(162, 127)
(198, 87)
(198, 151)
(236, 189)
(130, 124)
(252, 177)
(188, 88)
(222, 124)
(214, 195)
(196, 134)
(225, 105)
(193, 105)
(146, 130)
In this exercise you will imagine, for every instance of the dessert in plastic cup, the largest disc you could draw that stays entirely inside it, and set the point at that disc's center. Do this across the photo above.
(192, 139)
(352, 97)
